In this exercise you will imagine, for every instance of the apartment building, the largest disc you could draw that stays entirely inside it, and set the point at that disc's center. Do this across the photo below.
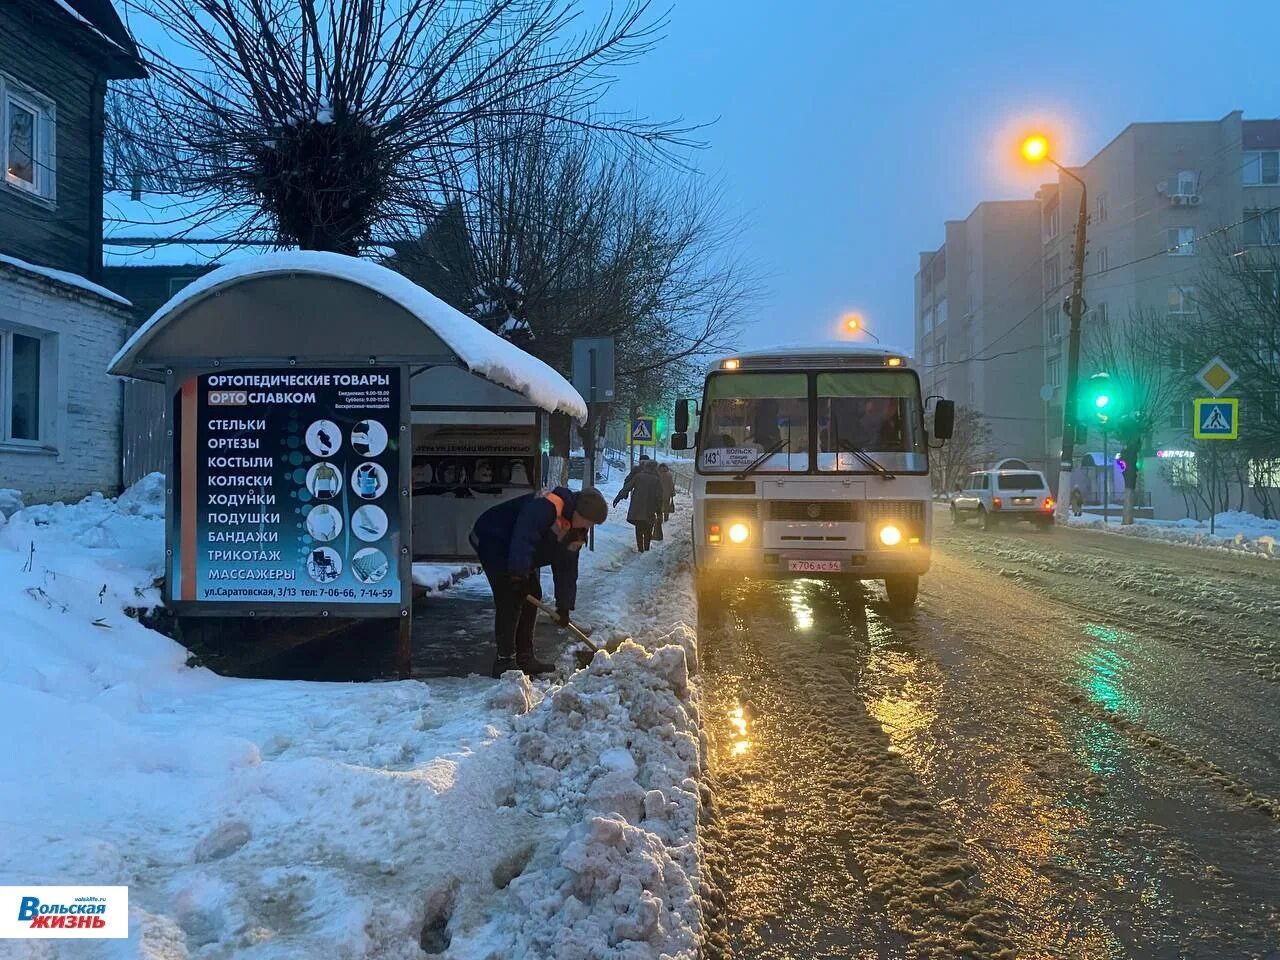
(978, 329)
(1157, 195)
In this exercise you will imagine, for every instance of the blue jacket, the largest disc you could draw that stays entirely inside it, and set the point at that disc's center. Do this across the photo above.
(518, 537)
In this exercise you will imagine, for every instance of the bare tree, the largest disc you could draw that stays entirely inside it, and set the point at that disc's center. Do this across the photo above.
(547, 237)
(336, 124)
(1134, 353)
(967, 450)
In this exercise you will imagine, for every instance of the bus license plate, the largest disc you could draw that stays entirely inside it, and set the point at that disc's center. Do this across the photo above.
(815, 566)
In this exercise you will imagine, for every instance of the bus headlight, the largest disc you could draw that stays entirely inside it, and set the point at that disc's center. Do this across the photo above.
(739, 532)
(890, 535)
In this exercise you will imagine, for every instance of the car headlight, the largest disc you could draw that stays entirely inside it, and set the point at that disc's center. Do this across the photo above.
(890, 535)
(739, 532)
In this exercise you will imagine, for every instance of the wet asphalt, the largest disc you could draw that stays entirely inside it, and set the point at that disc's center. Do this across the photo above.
(1071, 749)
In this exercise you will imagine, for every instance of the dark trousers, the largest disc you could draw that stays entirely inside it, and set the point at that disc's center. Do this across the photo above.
(644, 534)
(513, 616)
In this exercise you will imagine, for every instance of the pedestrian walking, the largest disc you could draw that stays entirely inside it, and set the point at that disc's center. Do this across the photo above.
(643, 487)
(668, 490)
(1077, 501)
(514, 540)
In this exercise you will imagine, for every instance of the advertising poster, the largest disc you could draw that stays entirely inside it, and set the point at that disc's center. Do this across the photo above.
(287, 487)
(484, 457)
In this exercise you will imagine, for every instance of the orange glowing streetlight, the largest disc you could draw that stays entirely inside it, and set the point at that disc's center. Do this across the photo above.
(852, 322)
(1035, 148)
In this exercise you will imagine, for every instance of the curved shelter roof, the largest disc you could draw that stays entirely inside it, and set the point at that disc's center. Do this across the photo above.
(329, 308)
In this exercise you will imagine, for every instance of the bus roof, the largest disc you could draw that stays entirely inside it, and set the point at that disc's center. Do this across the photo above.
(816, 355)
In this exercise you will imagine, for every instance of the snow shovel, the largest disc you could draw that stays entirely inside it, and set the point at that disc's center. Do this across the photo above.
(583, 657)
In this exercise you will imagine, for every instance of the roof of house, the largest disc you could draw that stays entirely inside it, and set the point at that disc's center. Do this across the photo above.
(61, 277)
(102, 25)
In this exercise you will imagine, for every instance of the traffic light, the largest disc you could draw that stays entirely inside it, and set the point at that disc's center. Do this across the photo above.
(1100, 402)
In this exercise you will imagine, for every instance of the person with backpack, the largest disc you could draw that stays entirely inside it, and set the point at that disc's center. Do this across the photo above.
(514, 540)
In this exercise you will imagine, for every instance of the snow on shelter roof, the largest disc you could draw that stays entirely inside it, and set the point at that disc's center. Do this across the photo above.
(263, 289)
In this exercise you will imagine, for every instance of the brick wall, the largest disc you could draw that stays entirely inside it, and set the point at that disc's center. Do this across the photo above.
(82, 452)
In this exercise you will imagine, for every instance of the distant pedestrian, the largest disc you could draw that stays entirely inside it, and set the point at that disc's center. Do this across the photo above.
(643, 487)
(1077, 501)
(668, 490)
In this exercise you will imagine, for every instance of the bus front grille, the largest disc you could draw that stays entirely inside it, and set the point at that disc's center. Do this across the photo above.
(817, 510)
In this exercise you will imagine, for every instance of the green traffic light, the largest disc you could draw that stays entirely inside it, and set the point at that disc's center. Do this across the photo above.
(1101, 401)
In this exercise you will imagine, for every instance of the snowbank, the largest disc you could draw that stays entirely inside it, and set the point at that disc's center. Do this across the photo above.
(1233, 530)
(441, 576)
(464, 818)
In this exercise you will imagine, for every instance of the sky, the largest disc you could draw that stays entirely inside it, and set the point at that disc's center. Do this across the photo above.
(845, 134)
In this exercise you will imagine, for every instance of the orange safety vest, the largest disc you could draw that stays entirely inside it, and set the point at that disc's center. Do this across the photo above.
(562, 524)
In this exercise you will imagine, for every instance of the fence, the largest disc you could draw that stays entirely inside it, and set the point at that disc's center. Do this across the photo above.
(144, 440)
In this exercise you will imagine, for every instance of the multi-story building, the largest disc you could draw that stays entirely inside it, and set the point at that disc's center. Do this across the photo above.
(1161, 199)
(978, 335)
(59, 411)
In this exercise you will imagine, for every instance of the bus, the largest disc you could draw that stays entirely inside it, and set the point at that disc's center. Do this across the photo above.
(812, 462)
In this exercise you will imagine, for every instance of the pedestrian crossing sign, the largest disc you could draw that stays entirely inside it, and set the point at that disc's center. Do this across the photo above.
(643, 433)
(1217, 419)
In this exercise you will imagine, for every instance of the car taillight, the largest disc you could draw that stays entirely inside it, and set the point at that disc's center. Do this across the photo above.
(1048, 503)
(995, 503)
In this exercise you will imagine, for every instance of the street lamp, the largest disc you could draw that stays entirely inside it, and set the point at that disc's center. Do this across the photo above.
(853, 323)
(1035, 149)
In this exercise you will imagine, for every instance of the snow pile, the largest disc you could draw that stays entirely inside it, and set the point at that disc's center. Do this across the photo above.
(10, 503)
(64, 277)
(1233, 530)
(465, 818)
(436, 577)
(483, 352)
(616, 753)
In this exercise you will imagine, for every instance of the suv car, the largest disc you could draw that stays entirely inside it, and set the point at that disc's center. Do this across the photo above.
(994, 496)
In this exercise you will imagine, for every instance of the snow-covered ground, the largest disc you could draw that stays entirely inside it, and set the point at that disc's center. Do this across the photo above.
(464, 818)
(1233, 530)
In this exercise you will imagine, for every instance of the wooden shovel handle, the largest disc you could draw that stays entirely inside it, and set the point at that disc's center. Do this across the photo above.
(547, 609)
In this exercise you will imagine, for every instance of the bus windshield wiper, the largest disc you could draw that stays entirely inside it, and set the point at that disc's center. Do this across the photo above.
(866, 458)
(755, 464)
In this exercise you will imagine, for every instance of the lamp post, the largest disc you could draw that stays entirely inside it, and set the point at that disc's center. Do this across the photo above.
(853, 323)
(1036, 149)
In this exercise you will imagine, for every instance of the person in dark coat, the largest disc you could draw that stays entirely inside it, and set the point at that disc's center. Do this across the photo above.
(514, 540)
(644, 488)
(668, 490)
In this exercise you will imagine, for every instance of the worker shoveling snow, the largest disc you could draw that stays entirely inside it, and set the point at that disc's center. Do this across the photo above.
(466, 818)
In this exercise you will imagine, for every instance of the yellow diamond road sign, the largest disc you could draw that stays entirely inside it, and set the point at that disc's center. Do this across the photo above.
(1216, 376)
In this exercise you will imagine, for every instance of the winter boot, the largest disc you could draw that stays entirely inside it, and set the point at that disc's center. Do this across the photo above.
(502, 664)
(533, 667)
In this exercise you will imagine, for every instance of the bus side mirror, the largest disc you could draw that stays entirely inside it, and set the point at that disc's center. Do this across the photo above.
(944, 419)
(679, 441)
(682, 416)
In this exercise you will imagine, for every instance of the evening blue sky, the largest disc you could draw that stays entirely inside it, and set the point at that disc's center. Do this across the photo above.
(847, 133)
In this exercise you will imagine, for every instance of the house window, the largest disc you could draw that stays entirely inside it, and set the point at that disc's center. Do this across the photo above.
(928, 319)
(1179, 357)
(1100, 209)
(1179, 414)
(1261, 168)
(1104, 260)
(177, 283)
(1053, 369)
(1265, 285)
(1052, 275)
(1181, 241)
(1100, 313)
(1051, 222)
(1262, 228)
(1180, 468)
(1053, 322)
(25, 402)
(942, 351)
(1188, 180)
(1182, 301)
(1264, 473)
(940, 313)
(26, 140)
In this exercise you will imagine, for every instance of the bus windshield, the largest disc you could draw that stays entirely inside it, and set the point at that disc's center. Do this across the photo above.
(747, 414)
(873, 412)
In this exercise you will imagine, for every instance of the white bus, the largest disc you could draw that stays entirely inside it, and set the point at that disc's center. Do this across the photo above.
(812, 462)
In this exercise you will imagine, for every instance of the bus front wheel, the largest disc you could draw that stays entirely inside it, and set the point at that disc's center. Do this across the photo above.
(902, 590)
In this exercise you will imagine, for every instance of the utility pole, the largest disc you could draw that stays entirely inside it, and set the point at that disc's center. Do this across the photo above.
(1069, 418)
(1035, 149)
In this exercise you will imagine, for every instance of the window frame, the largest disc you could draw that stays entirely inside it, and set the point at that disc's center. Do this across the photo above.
(1053, 371)
(44, 140)
(47, 395)
(1180, 247)
(1259, 218)
(1254, 158)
